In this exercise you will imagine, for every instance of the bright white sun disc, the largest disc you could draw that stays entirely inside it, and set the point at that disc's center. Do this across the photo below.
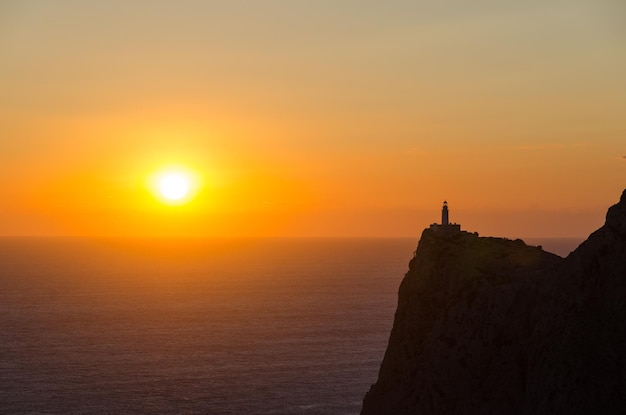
(174, 186)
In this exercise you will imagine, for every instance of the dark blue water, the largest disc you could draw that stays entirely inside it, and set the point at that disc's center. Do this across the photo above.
(195, 326)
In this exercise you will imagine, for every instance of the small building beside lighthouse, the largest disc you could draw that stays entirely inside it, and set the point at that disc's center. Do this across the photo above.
(445, 226)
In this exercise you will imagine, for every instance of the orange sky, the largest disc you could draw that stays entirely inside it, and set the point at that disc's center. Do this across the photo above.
(311, 118)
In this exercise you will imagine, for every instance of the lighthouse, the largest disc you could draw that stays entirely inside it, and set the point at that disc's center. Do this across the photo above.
(445, 227)
(444, 214)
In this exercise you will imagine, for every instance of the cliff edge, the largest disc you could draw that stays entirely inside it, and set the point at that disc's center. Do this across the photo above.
(493, 326)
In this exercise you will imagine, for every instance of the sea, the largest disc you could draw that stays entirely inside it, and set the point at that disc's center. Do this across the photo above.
(198, 326)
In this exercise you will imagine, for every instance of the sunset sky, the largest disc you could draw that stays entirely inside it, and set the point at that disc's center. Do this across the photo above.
(311, 118)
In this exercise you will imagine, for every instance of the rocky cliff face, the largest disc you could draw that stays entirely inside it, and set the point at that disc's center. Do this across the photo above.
(493, 326)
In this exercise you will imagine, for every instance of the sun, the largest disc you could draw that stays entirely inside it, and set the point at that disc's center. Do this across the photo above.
(174, 186)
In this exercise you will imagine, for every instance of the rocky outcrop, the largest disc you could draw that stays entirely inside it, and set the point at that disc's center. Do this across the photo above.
(493, 326)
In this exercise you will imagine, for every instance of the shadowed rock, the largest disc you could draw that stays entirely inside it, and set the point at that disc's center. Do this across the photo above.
(493, 326)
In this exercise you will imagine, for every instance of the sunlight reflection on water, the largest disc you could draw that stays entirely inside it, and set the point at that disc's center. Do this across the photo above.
(143, 326)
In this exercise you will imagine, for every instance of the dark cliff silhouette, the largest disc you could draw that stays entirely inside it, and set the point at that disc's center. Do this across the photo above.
(493, 326)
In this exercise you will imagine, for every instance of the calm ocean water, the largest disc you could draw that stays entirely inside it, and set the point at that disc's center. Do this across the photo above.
(197, 326)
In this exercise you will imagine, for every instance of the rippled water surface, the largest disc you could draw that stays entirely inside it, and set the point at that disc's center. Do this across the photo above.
(194, 326)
